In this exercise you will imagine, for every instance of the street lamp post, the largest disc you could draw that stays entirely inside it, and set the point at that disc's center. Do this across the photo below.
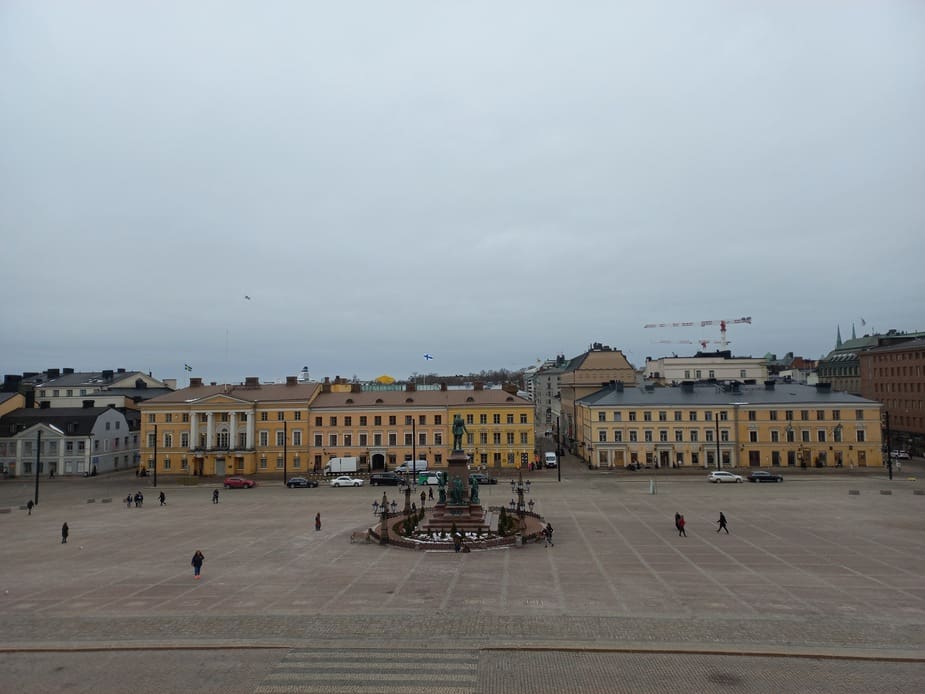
(889, 447)
(716, 417)
(285, 451)
(155, 455)
(38, 458)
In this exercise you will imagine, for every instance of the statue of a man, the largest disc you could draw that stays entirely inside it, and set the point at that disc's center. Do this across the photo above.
(474, 491)
(459, 428)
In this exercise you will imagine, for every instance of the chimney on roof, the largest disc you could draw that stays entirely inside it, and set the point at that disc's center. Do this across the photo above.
(195, 382)
(326, 385)
(67, 371)
(823, 387)
(120, 370)
(443, 387)
(769, 385)
(687, 386)
(87, 404)
(618, 386)
(45, 404)
(478, 385)
(292, 380)
(356, 388)
(251, 382)
(411, 386)
(53, 373)
(107, 374)
(509, 388)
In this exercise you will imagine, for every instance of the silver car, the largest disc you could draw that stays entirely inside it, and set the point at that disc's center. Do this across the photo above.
(718, 476)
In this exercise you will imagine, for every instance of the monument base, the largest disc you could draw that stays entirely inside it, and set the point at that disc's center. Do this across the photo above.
(461, 511)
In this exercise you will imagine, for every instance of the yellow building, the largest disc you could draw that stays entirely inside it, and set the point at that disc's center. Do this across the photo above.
(770, 425)
(386, 427)
(258, 428)
(222, 429)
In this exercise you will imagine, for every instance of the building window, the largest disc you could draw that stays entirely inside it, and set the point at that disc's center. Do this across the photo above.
(496, 438)
(679, 435)
(753, 436)
(820, 415)
(151, 418)
(662, 435)
(392, 420)
(724, 435)
(296, 462)
(28, 447)
(348, 421)
(318, 422)
(264, 438)
(694, 435)
(662, 416)
(393, 439)
(297, 437)
(712, 373)
(602, 416)
(632, 416)
(859, 414)
(647, 434)
(723, 416)
(279, 462)
(692, 415)
(820, 435)
(364, 438)
(523, 417)
(348, 439)
(618, 416)
(422, 438)
(438, 438)
(362, 420)
(483, 419)
(408, 420)
(470, 420)
(647, 416)
(264, 417)
(332, 440)
(333, 420)
(752, 416)
(483, 438)
(804, 436)
(438, 419)
(408, 439)
(168, 417)
(496, 418)
(773, 414)
(510, 438)
(602, 436)
(318, 440)
(618, 436)
(263, 462)
(860, 436)
(633, 436)
(377, 420)
(709, 435)
(510, 418)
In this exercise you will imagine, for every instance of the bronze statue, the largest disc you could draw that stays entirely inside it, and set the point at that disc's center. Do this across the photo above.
(456, 494)
(459, 428)
(474, 491)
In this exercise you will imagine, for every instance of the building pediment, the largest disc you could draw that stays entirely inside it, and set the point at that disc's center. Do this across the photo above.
(222, 399)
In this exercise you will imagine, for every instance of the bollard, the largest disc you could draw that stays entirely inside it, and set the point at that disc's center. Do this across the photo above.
(651, 486)
(106, 501)
(91, 501)
(854, 492)
(886, 492)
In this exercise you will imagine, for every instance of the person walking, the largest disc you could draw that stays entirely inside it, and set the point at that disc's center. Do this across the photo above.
(317, 522)
(430, 493)
(139, 499)
(197, 563)
(423, 498)
(681, 523)
(29, 506)
(64, 533)
(214, 496)
(547, 533)
(722, 523)
(677, 520)
(163, 498)
(128, 501)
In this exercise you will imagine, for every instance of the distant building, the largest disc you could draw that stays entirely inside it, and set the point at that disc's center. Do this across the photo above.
(842, 366)
(706, 366)
(74, 441)
(544, 389)
(69, 388)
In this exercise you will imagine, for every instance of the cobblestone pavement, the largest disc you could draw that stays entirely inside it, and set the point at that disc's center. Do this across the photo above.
(808, 570)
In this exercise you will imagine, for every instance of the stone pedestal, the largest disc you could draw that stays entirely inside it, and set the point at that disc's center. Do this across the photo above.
(457, 509)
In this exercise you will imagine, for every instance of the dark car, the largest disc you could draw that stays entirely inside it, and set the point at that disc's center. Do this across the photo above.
(482, 479)
(764, 476)
(301, 482)
(388, 478)
(238, 483)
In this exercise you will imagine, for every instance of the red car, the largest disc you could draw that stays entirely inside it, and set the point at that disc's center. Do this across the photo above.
(239, 483)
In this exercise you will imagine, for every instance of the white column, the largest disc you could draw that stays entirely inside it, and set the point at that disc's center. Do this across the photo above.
(250, 430)
(233, 432)
(194, 429)
(210, 428)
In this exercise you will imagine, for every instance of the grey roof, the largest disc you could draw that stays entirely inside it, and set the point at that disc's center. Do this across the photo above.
(88, 378)
(83, 419)
(712, 395)
(918, 343)
(134, 393)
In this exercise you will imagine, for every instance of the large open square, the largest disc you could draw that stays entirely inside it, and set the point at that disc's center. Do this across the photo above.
(814, 589)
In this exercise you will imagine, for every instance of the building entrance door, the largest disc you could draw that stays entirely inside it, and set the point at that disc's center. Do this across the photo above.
(220, 467)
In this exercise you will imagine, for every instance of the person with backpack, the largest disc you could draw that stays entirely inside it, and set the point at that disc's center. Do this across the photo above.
(722, 523)
(198, 558)
(681, 524)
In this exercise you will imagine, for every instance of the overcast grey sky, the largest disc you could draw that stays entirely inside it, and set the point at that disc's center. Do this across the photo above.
(489, 182)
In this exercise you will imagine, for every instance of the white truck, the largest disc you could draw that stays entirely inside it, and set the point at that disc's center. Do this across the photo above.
(339, 466)
(412, 466)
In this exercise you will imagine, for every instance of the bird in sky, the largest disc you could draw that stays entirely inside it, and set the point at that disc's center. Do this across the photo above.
(247, 297)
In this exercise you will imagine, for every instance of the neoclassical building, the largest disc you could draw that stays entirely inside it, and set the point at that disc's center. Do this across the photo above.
(712, 425)
(255, 428)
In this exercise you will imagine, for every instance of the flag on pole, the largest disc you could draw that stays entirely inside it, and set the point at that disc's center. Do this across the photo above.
(863, 322)
(428, 357)
(187, 367)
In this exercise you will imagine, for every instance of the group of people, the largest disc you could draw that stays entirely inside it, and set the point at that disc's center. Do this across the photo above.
(139, 498)
(680, 523)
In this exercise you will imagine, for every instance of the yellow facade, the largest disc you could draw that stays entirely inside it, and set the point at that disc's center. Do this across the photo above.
(842, 431)
(223, 430)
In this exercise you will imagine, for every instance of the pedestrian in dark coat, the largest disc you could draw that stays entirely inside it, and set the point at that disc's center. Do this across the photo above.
(64, 533)
(128, 501)
(29, 506)
(317, 521)
(430, 493)
(423, 498)
(681, 524)
(677, 520)
(214, 496)
(722, 523)
(197, 563)
(547, 533)
(163, 498)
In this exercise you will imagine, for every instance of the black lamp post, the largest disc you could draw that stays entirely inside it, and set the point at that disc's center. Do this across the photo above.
(285, 451)
(38, 458)
(716, 417)
(155, 455)
(889, 447)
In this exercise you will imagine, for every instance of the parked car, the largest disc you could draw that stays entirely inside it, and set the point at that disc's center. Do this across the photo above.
(391, 478)
(346, 481)
(722, 476)
(764, 476)
(900, 455)
(301, 482)
(482, 478)
(239, 483)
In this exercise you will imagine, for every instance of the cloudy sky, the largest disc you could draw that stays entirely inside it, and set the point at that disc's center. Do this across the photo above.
(488, 182)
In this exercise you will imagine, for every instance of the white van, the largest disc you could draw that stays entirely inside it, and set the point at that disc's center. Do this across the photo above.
(551, 460)
(412, 466)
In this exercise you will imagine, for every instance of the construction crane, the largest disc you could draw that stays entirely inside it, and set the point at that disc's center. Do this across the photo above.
(691, 324)
(703, 343)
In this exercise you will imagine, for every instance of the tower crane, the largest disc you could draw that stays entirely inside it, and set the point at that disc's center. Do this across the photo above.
(690, 324)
